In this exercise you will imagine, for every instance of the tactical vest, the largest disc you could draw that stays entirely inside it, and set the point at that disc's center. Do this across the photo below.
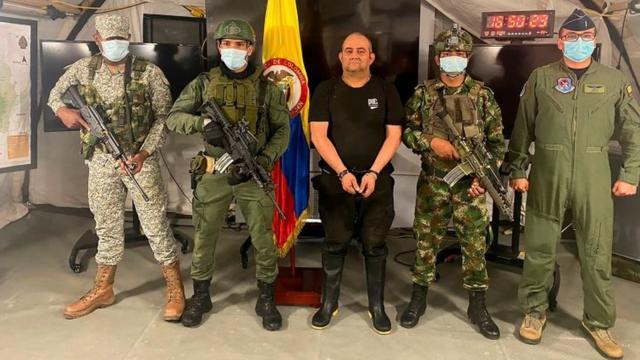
(241, 98)
(463, 110)
(132, 132)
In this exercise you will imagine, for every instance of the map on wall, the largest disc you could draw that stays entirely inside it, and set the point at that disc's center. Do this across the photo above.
(17, 62)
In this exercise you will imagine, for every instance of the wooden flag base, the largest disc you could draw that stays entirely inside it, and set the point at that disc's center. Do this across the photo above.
(299, 286)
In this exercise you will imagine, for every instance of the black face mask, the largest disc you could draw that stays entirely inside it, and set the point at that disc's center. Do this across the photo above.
(234, 75)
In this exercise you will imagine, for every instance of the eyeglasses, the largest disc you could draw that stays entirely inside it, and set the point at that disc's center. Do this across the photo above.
(571, 37)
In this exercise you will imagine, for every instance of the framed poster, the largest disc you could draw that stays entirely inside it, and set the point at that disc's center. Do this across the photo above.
(18, 94)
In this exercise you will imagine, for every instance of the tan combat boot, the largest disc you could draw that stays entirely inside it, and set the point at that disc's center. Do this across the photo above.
(175, 292)
(531, 328)
(100, 296)
(604, 343)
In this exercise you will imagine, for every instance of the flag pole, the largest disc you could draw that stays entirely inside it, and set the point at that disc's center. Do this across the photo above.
(292, 260)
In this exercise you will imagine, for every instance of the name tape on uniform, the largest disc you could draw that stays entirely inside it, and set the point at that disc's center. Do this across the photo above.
(594, 89)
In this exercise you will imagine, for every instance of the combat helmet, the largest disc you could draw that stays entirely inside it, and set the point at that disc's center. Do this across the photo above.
(235, 29)
(454, 39)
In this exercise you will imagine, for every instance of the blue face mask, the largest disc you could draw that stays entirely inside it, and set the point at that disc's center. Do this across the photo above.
(578, 50)
(234, 59)
(115, 50)
(453, 64)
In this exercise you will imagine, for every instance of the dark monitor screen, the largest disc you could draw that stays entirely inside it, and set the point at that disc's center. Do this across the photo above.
(165, 29)
(180, 64)
(505, 69)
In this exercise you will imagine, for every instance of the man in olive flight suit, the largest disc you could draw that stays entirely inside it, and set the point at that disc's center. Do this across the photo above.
(473, 107)
(237, 86)
(570, 109)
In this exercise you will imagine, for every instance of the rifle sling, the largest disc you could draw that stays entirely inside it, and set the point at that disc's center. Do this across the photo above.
(127, 79)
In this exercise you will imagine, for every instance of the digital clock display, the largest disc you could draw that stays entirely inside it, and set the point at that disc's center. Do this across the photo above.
(518, 24)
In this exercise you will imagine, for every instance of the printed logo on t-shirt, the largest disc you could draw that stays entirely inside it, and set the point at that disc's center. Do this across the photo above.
(373, 103)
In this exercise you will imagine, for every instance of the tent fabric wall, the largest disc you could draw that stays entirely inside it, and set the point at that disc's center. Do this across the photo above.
(61, 176)
(12, 207)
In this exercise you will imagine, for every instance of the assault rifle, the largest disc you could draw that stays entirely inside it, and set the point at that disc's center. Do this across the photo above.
(238, 142)
(475, 159)
(95, 117)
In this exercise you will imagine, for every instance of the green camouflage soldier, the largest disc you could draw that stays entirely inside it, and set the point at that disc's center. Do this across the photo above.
(101, 79)
(237, 86)
(473, 108)
(571, 109)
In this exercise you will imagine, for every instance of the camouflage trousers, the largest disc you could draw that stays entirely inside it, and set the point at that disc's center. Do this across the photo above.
(436, 203)
(107, 195)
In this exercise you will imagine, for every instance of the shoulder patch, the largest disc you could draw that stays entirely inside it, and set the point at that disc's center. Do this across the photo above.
(629, 90)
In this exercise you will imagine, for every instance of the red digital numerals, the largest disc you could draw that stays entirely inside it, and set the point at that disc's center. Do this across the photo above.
(535, 21)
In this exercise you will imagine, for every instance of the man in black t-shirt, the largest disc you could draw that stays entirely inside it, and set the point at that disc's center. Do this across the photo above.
(356, 123)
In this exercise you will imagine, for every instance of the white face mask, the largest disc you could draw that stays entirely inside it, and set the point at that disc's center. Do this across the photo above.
(235, 59)
(453, 64)
(115, 50)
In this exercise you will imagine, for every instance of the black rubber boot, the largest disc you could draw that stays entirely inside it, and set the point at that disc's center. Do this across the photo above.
(198, 305)
(266, 307)
(375, 264)
(332, 265)
(478, 314)
(416, 307)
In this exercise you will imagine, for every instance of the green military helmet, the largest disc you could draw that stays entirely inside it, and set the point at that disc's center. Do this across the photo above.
(455, 39)
(235, 29)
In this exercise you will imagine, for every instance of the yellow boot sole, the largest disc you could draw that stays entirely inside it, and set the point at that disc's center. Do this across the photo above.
(334, 313)
(376, 330)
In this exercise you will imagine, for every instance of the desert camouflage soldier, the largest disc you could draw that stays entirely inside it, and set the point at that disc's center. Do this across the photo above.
(101, 79)
(473, 106)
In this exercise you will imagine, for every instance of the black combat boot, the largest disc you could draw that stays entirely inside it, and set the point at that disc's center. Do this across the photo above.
(332, 264)
(198, 304)
(416, 307)
(266, 307)
(375, 264)
(478, 314)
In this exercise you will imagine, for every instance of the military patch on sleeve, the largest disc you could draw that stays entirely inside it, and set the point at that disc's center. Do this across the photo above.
(629, 89)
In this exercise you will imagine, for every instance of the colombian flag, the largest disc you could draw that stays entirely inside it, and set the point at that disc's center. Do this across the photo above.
(282, 58)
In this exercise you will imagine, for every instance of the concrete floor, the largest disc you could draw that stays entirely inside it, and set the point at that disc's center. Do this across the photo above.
(36, 283)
